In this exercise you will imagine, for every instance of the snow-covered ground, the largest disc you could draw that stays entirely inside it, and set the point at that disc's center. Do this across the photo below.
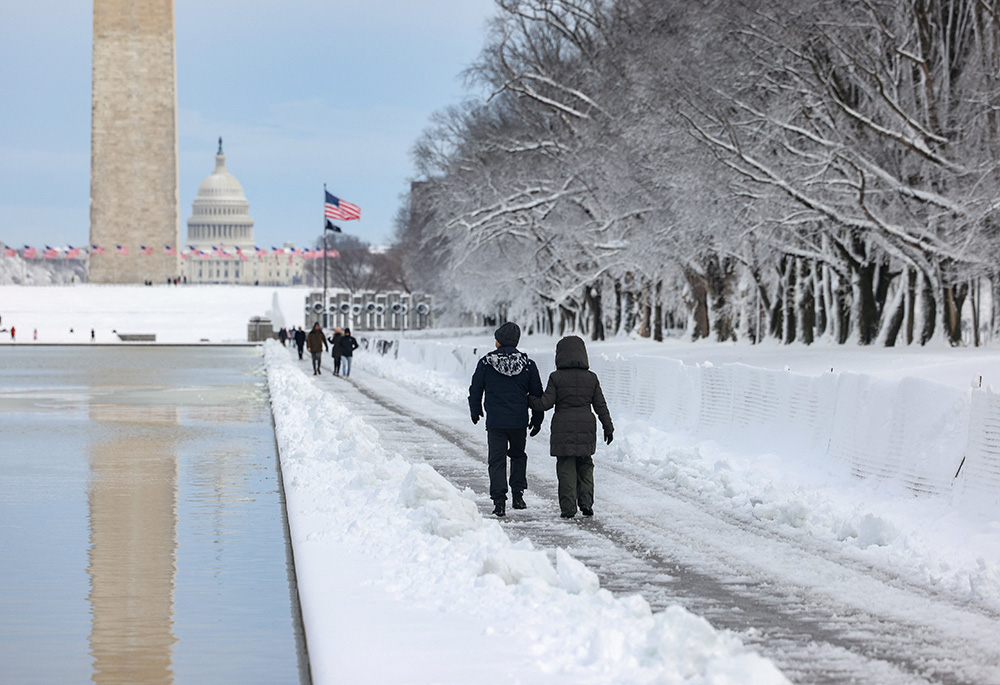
(389, 552)
(175, 314)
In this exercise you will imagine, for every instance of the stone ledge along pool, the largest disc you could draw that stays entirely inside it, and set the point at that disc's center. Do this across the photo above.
(143, 536)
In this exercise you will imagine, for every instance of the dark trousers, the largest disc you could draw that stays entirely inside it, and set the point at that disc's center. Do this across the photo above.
(504, 444)
(300, 348)
(576, 483)
(336, 364)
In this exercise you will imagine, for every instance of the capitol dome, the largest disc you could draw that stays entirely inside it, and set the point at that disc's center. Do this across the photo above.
(220, 213)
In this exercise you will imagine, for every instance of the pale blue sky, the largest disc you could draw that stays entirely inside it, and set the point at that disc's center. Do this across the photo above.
(303, 92)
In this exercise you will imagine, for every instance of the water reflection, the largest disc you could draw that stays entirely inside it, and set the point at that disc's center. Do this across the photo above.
(144, 535)
(133, 542)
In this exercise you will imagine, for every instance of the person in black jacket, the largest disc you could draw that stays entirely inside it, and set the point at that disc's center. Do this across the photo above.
(506, 377)
(573, 389)
(338, 333)
(347, 343)
(300, 340)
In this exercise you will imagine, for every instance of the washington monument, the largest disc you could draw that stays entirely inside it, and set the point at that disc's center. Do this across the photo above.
(133, 156)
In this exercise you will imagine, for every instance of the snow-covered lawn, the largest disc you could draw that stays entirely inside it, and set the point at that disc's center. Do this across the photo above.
(175, 314)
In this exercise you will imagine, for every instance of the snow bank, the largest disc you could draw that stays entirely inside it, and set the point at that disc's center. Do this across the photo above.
(856, 460)
(419, 540)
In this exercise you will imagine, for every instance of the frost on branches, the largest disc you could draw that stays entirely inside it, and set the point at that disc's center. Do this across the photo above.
(800, 170)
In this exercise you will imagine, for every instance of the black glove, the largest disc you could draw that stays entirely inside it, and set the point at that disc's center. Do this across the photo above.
(475, 418)
(536, 424)
(609, 435)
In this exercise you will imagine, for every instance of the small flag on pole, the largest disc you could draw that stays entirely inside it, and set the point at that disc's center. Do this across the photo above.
(9, 252)
(97, 249)
(332, 227)
(169, 250)
(121, 249)
(342, 210)
(29, 252)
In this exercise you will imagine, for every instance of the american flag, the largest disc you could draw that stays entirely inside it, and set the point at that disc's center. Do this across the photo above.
(121, 249)
(97, 249)
(72, 252)
(29, 252)
(169, 250)
(51, 252)
(145, 250)
(239, 253)
(333, 253)
(9, 252)
(277, 250)
(342, 210)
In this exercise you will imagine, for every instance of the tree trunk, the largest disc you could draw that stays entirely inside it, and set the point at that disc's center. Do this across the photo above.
(593, 302)
(658, 313)
(698, 304)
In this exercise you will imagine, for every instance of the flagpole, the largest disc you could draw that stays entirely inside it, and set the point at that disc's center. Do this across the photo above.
(325, 304)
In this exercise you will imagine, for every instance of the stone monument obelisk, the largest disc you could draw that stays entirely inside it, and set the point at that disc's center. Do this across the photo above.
(133, 160)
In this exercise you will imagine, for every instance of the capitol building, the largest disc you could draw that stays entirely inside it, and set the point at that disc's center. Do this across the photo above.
(220, 243)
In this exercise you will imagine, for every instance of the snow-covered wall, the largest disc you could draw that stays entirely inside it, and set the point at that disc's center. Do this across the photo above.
(914, 432)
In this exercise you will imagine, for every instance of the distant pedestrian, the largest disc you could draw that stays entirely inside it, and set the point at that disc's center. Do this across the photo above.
(347, 344)
(573, 389)
(506, 377)
(282, 336)
(91, 335)
(338, 333)
(317, 343)
(12, 333)
(300, 340)
(36, 334)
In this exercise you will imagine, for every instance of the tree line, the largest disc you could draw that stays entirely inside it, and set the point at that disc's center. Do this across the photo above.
(730, 169)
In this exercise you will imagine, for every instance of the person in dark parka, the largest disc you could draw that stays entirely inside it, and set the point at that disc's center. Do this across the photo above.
(347, 344)
(506, 377)
(338, 333)
(300, 340)
(316, 342)
(573, 389)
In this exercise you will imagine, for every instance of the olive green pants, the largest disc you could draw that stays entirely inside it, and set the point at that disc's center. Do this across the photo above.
(576, 483)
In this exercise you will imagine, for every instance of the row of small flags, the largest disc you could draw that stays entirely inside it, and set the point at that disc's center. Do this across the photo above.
(71, 252)
(333, 208)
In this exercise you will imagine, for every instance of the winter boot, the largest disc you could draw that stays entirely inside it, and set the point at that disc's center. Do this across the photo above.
(518, 500)
(586, 511)
(499, 507)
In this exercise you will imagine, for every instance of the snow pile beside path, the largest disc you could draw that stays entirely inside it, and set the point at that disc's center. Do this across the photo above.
(423, 542)
(926, 539)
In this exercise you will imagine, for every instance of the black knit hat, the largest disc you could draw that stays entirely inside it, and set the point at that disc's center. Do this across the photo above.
(508, 334)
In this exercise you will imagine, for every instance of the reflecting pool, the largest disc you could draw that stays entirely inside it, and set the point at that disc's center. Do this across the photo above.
(142, 527)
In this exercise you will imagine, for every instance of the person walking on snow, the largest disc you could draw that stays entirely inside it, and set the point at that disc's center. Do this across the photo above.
(335, 350)
(348, 343)
(300, 340)
(506, 377)
(316, 342)
(573, 389)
